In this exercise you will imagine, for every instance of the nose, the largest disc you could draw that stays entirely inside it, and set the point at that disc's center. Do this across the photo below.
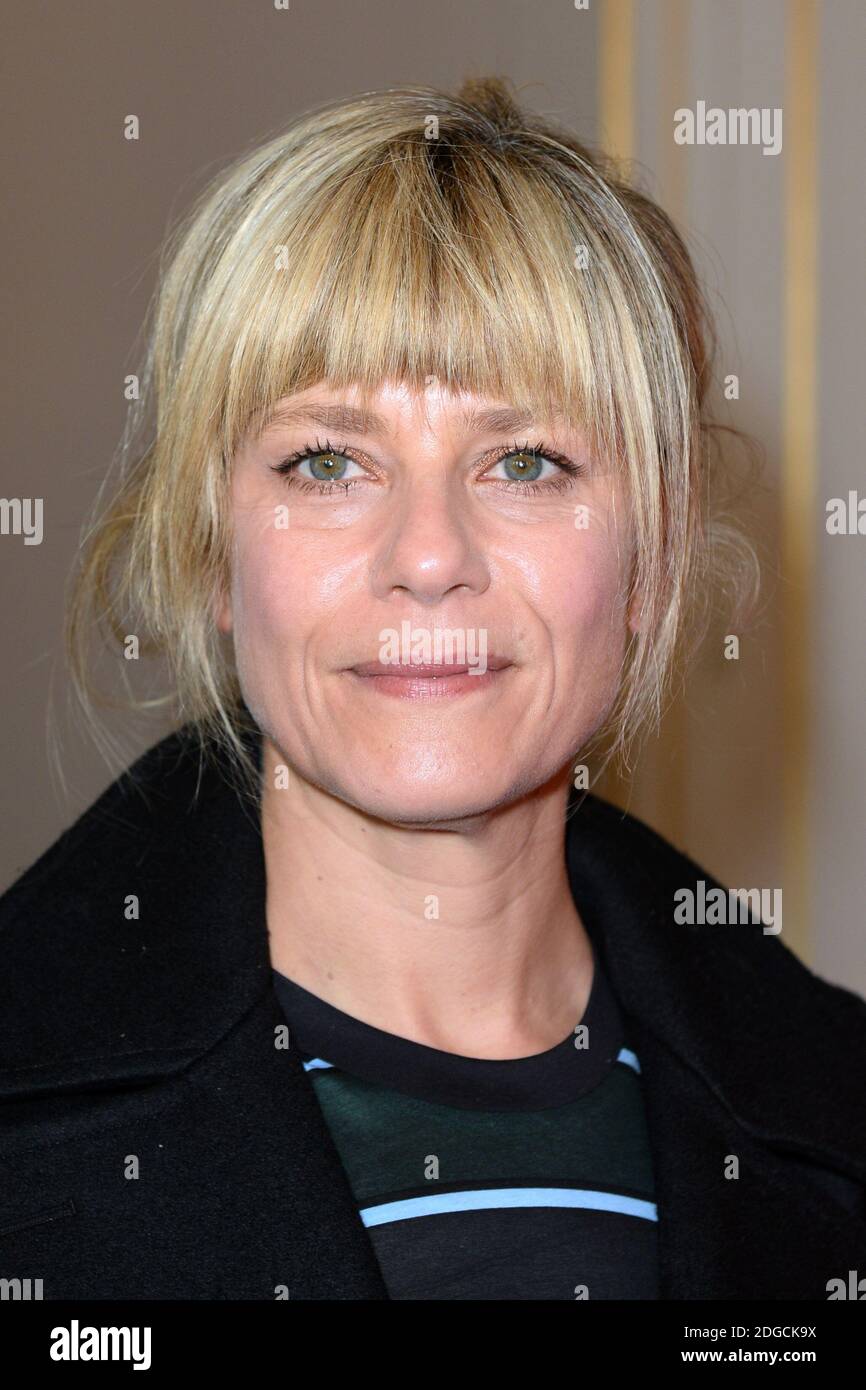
(428, 546)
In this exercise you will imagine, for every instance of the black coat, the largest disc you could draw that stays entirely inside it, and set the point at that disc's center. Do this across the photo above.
(153, 1040)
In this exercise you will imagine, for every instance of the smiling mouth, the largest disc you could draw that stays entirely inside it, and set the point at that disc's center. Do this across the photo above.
(431, 669)
(429, 680)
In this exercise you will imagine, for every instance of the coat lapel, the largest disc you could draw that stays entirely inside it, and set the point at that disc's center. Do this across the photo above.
(767, 1234)
(165, 1024)
(282, 1220)
(746, 1056)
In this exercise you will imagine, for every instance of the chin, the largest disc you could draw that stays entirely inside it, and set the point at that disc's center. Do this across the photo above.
(426, 805)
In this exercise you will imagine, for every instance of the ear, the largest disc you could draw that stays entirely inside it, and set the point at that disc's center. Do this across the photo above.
(222, 610)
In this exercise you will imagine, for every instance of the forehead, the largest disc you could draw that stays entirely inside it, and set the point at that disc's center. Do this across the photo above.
(398, 406)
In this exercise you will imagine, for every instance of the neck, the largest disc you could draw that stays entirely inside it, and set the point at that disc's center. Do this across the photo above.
(464, 937)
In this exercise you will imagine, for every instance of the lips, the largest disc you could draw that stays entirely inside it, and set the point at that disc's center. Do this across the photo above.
(430, 669)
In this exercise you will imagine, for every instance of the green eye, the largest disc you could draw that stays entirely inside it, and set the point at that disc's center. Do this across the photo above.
(522, 466)
(316, 467)
(327, 466)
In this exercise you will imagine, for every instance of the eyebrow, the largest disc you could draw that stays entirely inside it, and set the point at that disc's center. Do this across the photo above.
(354, 420)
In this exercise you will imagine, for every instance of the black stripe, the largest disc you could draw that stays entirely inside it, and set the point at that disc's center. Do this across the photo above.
(555, 1077)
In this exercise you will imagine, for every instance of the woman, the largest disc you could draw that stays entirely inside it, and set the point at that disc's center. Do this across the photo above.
(374, 1000)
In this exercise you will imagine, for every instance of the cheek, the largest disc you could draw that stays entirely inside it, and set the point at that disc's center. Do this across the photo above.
(589, 639)
(580, 588)
(268, 599)
(286, 592)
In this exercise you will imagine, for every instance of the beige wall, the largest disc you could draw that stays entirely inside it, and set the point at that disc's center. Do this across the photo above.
(761, 767)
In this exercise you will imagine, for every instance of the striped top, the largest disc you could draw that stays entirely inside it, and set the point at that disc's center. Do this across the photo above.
(528, 1178)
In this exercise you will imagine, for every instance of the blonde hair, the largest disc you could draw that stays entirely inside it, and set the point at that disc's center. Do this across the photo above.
(409, 234)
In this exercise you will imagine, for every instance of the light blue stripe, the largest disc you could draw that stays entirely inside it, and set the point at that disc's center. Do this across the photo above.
(624, 1055)
(483, 1200)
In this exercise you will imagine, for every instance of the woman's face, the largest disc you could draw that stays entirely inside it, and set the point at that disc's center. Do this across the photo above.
(399, 548)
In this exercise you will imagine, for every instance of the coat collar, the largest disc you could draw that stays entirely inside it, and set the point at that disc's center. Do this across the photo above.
(743, 1051)
(772, 1041)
